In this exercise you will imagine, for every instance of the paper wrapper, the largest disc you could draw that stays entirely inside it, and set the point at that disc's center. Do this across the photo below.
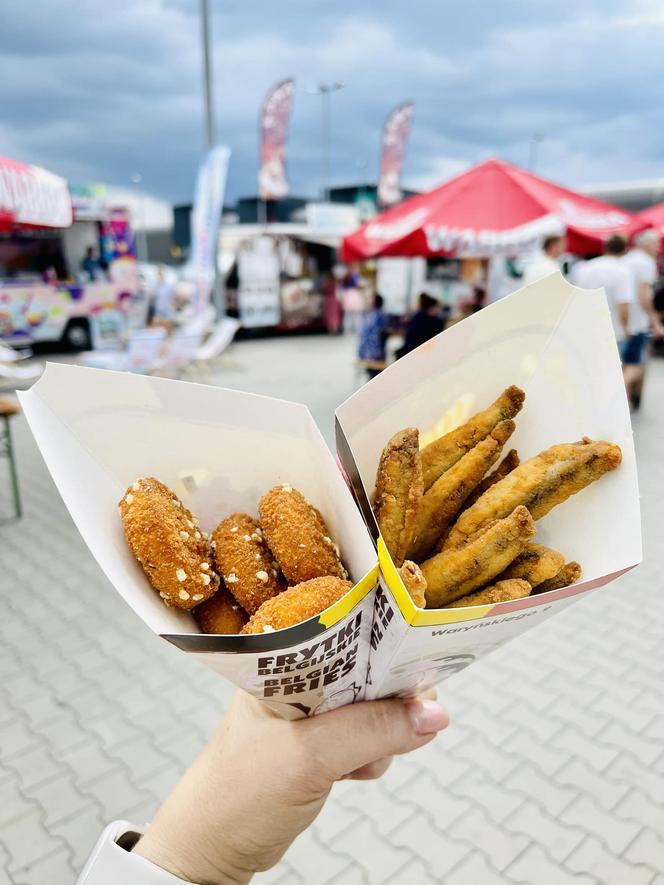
(220, 450)
(557, 343)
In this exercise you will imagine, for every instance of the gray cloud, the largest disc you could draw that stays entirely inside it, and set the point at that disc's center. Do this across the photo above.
(96, 95)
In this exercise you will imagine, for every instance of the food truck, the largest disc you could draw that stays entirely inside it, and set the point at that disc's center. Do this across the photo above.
(45, 295)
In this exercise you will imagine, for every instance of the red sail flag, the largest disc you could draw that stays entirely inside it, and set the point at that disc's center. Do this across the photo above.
(275, 116)
(492, 209)
(395, 136)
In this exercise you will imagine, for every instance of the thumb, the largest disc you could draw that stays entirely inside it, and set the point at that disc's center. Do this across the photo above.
(356, 735)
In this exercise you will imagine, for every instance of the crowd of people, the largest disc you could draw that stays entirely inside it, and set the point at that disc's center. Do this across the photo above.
(628, 274)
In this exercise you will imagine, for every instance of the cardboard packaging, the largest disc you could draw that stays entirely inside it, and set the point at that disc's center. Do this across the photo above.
(220, 450)
(557, 343)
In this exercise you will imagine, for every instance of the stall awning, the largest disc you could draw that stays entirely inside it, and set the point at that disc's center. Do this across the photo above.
(653, 216)
(30, 195)
(494, 208)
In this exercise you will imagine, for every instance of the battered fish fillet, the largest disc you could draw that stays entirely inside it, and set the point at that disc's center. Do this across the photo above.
(507, 465)
(539, 484)
(442, 453)
(446, 496)
(399, 492)
(501, 591)
(297, 536)
(536, 564)
(220, 614)
(165, 537)
(297, 604)
(455, 573)
(569, 574)
(245, 562)
(413, 581)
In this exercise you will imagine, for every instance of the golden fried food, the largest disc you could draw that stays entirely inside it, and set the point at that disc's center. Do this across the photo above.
(445, 498)
(398, 492)
(443, 453)
(220, 614)
(501, 591)
(539, 484)
(569, 574)
(507, 465)
(166, 539)
(537, 563)
(297, 604)
(413, 581)
(245, 562)
(457, 572)
(297, 535)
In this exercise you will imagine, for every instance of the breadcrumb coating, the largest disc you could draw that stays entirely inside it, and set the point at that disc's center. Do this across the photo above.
(165, 537)
(297, 604)
(220, 614)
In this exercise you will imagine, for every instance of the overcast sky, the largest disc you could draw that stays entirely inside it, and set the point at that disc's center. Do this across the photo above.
(96, 92)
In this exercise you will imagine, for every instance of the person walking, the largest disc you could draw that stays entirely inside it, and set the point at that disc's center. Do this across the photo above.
(547, 262)
(610, 273)
(373, 334)
(644, 319)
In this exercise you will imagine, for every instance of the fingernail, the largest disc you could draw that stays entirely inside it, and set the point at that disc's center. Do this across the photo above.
(427, 717)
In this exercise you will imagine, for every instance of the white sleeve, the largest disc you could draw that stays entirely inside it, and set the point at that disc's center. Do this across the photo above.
(111, 861)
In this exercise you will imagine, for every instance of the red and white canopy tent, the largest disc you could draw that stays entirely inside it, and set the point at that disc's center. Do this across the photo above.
(653, 216)
(32, 196)
(492, 209)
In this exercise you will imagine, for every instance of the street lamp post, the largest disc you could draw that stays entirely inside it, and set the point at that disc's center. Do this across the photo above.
(207, 74)
(325, 91)
(141, 232)
(536, 139)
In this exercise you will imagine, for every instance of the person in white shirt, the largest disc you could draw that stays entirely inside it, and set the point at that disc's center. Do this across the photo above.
(547, 262)
(644, 319)
(258, 784)
(608, 272)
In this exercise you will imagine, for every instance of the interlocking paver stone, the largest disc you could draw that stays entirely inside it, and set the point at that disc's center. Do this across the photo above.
(557, 736)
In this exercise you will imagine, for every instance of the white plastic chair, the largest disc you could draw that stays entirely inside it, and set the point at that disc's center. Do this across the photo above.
(21, 373)
(9, 355)
(219, 339)
(143, 353)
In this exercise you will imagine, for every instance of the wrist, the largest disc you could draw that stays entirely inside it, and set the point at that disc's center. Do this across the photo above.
(186, 861)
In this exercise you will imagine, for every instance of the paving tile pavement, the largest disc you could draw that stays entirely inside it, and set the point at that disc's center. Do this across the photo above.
(552, 770)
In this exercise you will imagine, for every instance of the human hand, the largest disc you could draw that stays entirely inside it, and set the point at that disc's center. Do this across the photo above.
(262, 780)
(657, 328)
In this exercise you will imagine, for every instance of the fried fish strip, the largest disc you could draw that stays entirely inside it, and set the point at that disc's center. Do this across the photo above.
(413, 581)
(536, 564)
(501, 591)
(443, 453)
(507, 465)
(569, 574)
(446, 496)
(399, 492)
(457, 572)
(539, 484)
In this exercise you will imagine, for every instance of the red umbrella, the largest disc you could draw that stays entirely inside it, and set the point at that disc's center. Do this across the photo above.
(31, 195)
(492, 209)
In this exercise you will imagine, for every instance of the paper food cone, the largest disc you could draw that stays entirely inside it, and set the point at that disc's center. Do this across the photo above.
(220, 451)
(557, 343)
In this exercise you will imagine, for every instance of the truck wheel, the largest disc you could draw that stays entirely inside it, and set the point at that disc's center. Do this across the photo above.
(76, 335)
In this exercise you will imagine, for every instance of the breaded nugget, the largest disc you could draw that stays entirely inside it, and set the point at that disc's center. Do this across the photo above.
(166, 539)
(501, 591)
(537, 563)
(220, 614)
(398, 492)
(245, 562)
(442, 453)
(507, 465)
(539, 484)
(297, 535)
(569, 574)
(446, 496)
(298, 603)
(413, 581)
(457, 572)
